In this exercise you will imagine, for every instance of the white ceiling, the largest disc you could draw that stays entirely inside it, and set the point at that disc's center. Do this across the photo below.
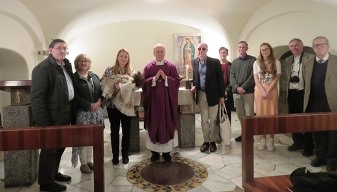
(53, 15)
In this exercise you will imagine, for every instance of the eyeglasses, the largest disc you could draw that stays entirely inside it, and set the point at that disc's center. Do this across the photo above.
(202, 48)
(61, 48)
(319, 45)
(83, 61)
(267, 49)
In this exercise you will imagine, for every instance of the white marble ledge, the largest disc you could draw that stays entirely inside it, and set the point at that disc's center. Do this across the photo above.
(185, 96)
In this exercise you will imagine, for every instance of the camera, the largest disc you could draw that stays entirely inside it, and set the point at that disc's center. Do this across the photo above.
(294, 79)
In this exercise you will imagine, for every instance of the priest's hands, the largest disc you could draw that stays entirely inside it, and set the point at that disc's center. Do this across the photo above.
(160, 74)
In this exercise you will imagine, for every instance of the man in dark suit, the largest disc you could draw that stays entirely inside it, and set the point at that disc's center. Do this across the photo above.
(52, 95)
(320, 93)
(208, 84)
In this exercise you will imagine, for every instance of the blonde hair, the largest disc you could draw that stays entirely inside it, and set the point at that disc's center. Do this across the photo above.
(116, 68)
(80, 57)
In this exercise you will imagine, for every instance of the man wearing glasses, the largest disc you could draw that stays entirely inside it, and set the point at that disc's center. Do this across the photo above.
(242, 82)
(320, 77)
(292, 93)
(52, 95)
(209, 87)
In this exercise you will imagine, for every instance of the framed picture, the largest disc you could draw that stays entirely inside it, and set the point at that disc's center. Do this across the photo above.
(185, 50)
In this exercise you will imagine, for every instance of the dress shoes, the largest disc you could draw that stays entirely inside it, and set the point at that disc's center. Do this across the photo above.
(212, 147)
(54, 187)
(238, 139)
(307, 153)
(125, 160)
(167, 157)
(115, 161)
(294, 147)
(85, 169)
(155, 156)
(317, 162)
(204, 147)
(331, 168)
(91, 165)
(62, 178)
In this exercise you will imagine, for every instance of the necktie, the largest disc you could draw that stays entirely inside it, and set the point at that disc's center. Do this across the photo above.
(321, 61)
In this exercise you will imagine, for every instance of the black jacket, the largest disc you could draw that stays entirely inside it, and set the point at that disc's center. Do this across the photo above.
(49, 94)
(84, 98)
(214, 83)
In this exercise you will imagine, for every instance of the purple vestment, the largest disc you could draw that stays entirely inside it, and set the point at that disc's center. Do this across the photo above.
(160, 102)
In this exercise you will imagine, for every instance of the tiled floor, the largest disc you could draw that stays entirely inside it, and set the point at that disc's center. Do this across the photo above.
(224, 171)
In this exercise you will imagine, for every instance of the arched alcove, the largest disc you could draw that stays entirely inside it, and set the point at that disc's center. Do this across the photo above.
(12, 67)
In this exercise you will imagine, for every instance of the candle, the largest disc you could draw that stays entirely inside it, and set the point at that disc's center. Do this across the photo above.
(187, 67)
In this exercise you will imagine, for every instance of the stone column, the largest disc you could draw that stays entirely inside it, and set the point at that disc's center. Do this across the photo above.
(21, 167)
(186, 129)
(134, 135)
(186, 119)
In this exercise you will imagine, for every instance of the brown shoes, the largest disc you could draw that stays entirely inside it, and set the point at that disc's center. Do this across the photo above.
(91, 165)
(85, 169)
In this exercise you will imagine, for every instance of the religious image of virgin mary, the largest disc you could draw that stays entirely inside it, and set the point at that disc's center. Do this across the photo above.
(188, 53)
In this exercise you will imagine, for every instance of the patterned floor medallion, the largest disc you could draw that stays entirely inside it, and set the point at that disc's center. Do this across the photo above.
(181, 174)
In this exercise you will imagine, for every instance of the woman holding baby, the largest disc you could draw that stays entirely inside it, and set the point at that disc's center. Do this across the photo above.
(117, 86)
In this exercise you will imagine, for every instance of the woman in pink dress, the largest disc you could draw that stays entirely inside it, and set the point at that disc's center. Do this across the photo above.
(267, 72)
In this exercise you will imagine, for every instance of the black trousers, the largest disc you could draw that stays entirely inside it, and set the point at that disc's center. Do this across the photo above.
(49, 164)
(326, 147)
(295, 104)
(116, 118)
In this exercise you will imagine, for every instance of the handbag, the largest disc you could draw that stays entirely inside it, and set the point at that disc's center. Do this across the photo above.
(224, 124)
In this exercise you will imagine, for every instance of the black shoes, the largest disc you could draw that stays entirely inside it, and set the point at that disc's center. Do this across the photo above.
(155, 156)
(54, 187)
(212, 147)
(307, 153)
(167, 157)
(204, 147)
(331, 168)
(115, 161)
(208, 146)
(62, 178)
(125, 160)
(294, 147)
(238, 139)
(317, 162)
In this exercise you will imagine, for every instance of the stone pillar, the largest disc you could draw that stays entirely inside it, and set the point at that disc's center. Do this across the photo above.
(186, 129)
(21, 167)
(134, 135)
(186, 118)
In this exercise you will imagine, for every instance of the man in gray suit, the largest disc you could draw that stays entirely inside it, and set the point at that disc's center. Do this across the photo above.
(292, 93)
(320, 95)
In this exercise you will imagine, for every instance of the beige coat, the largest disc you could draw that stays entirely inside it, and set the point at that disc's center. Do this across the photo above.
(330, 82)
(286, 70)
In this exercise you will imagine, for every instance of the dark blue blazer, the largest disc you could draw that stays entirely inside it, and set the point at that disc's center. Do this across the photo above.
(214, 85)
